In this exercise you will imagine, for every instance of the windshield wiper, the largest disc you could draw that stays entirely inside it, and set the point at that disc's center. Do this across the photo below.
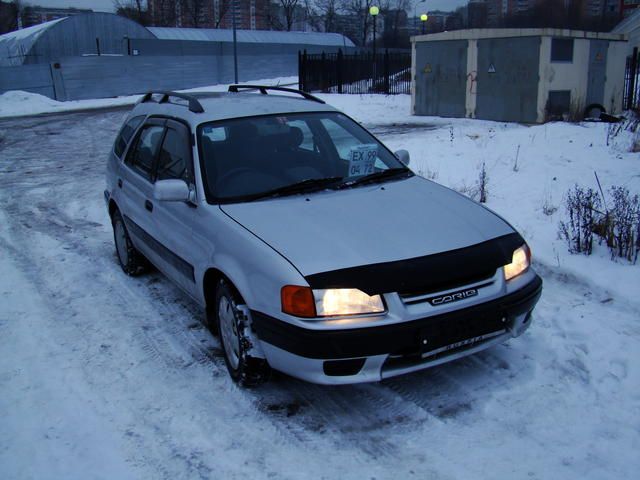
(308, 185)
(377, 176)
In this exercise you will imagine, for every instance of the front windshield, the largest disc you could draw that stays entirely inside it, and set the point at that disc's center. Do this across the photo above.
(248, 157)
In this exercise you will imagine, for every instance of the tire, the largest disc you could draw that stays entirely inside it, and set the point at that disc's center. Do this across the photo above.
(244, 369)
(211, 317)
(594, 111)
(133, 263)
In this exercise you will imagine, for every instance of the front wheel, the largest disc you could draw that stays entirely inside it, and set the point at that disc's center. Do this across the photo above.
(131, 260)
(243, 368)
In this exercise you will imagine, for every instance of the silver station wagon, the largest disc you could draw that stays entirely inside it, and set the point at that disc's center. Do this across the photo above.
(313, 249)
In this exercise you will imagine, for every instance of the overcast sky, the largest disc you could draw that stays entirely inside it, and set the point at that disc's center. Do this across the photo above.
(107, 5)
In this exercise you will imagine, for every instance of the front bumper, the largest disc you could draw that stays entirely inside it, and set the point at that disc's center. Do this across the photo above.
(373, 353)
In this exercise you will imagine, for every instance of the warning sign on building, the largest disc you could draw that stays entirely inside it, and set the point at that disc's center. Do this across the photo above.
(492, 68)
(427, 68)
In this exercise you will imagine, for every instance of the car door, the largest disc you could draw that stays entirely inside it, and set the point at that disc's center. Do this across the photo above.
(136, 182)
(173, 221)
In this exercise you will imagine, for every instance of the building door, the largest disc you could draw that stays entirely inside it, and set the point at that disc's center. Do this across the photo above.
(441, 78)
(508, 76)
(597, 73)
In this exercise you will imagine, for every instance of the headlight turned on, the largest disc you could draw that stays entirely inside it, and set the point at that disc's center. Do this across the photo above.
(346, 301)
(304, 302)
(520, 262)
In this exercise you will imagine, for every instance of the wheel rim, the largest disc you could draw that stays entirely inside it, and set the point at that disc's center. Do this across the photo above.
(121, 243)
(229, 332)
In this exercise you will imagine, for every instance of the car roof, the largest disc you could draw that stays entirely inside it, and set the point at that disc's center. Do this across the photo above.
(225, 105)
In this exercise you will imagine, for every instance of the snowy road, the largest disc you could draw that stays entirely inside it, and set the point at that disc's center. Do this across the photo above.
(105, 376)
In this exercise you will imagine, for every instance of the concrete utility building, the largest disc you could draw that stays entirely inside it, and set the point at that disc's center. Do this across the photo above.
(517, 75)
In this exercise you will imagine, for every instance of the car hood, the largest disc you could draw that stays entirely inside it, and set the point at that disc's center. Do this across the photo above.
(372, 224)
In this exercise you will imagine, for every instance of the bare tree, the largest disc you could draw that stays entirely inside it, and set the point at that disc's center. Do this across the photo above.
(395, 17)
(223, 7)
(289, 8)
(360, 10)
(194, 11)
(326, 12)
(9, 16)
(132, 9)
(162, 13)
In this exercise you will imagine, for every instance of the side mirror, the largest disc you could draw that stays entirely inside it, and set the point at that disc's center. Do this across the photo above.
(403, 156)
(172, 190)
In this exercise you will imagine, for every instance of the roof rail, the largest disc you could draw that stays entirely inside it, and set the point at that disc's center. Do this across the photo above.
(194, 104)
(265, 88)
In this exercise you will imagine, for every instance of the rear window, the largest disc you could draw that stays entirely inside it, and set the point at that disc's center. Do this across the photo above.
(125, 135)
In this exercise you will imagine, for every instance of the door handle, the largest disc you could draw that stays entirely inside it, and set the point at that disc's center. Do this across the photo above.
(119, 183)
(148, 205)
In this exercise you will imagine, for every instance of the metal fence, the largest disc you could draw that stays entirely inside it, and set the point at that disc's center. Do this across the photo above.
(631, 99)
(359, 73)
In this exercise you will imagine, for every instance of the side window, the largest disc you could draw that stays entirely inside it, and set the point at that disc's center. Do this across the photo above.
(562, 50)
(308, 142)
(175, 157)
(125, 135)
(142, 155)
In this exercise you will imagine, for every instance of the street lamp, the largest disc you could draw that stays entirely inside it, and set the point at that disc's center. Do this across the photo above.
(415, 15)
(374, 11)
(423, 18)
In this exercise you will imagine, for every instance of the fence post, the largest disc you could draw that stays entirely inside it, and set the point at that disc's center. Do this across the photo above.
(59, 92)
(339, 70)
(323, 72)
(300, 82)
(632, 81)
(386, 72)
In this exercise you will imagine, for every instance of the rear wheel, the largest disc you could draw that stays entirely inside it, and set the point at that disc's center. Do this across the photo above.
(131, 260)
(231, 321)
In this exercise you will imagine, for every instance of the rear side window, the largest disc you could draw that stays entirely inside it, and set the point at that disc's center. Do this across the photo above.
(125, 135)
(174, 159)
(145, 151)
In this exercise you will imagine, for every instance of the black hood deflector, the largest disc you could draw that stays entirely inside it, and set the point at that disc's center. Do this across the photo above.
(426, 274)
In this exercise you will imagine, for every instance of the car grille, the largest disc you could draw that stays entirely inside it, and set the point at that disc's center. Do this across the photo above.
(478, 281)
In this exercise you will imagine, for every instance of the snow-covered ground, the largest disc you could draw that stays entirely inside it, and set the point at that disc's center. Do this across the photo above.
(105, 376)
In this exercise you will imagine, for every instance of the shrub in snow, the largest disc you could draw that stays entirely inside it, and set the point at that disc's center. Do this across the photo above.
(582, 211)
(623, 225)
(479, 191)
(483, 179)
(548, 208)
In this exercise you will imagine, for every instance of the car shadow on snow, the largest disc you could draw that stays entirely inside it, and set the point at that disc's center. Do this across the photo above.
(371, 415)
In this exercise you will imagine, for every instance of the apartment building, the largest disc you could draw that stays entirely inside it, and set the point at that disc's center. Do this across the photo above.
(249, 14)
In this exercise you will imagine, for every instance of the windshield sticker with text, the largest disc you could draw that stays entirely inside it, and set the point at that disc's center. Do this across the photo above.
(362, 159)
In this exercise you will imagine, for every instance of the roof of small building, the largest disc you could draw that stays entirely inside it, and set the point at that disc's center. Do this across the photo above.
(251, 36)
(632, 22)
(484, 33)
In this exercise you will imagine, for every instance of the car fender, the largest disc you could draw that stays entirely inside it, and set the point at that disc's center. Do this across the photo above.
(256, 270)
